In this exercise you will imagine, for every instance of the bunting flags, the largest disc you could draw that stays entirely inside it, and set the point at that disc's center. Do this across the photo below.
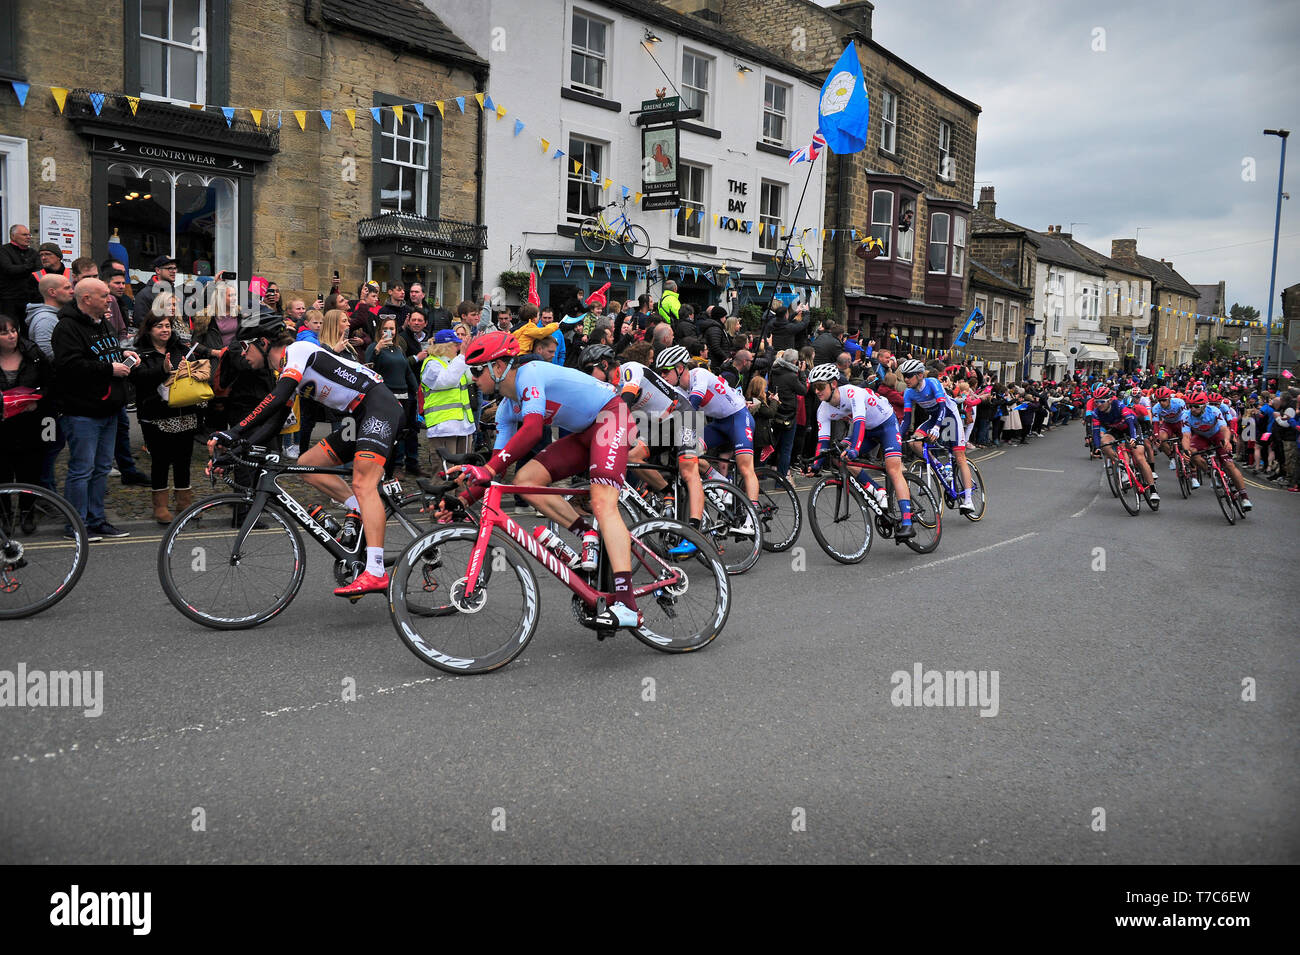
(460, 101)
(229, 113)
(501, 112)
(397, 112)
(60, 96)
(419, 111)
(541, 266)
(591, 268)
(97, 101)
(623, 270)
(559, 153)
(257, 117)
(374, 114)
(519, 126)
(546, 145)
(134, 103)
(695, 274)
(441, 109)
(22, 89)
(566, 264)
(351, 114)
(326, 117)
(301, 116)
(478, 98)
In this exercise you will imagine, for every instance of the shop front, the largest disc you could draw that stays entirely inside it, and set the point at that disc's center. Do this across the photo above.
(440, 254)
(899, 325)
(566, 278)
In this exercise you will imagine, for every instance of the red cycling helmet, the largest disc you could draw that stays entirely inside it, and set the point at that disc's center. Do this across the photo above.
(1162, 393)
(1102, 393)
(1216, 398)
(491, 346)
(1197, 398)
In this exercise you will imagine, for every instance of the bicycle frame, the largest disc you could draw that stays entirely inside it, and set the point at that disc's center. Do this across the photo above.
(493, 517)
(841, 497)
(950, 487)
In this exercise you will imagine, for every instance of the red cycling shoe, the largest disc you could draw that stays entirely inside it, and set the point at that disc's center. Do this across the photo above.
(367, 583)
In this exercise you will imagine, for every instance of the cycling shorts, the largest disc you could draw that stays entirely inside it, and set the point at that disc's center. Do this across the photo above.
(1168, 431)
(601, 448)
(1213, 442)
(372, 430)
(884, 434)
(736, 431)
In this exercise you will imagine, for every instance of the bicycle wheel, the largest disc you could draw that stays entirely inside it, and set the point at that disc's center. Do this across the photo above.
(690, 613)
(636, 242)
(1112, 475)
(784, 264)
(425, 600)
(1221, 495)
(779, 510)
(806, 261)
(848, 539)
(37, 568)
(204, 581)
(1129, 495)
(592, 234)
(927, 515)
(978, 493)
(1184, 482)
(725, 510)
(930, 478)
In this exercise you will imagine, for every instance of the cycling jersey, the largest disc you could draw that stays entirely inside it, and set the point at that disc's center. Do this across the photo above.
(1204, 425)
(938, 406)
(1115, 418)
(713, 396)
(327, 378)
(648, 389)
(559, 396)
(1230, 417)
(1173, 415)
(869, 413)
(652, 399)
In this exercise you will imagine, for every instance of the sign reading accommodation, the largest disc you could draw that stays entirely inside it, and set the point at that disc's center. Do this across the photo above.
(659, 152)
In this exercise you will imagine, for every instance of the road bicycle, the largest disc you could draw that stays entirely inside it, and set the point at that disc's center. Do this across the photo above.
(726, 510)
(937, 468)
(1126, 480)
(1225, 490)
(234, 561)
(454, 617)
(1182, 464)
(787, 261)
(780, 510)
(595, 231)
(43, 549)
(844, 516)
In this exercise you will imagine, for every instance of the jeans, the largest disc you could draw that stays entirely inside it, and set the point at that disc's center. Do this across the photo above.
(90, 458)
(52, 454)
(983, 431)
(122, 443)
(783, 439)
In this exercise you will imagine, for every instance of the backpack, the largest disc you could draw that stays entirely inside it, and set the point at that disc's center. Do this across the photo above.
(220, 382)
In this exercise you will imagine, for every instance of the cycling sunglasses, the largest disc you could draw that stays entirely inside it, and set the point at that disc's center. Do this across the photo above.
(476, 370)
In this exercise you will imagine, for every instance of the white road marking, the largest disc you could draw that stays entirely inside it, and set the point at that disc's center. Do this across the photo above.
(970, 553)
(1044, 470)
(1088, 505)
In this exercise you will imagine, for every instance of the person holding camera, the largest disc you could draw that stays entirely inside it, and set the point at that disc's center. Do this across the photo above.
(788, 380)
(387, 355)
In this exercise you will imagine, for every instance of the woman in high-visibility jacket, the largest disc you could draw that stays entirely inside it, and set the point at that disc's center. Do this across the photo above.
(445, 409)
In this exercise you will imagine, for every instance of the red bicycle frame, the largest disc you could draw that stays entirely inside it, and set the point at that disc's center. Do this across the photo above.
(492, 517)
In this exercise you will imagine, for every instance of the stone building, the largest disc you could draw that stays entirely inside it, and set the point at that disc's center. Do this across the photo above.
(1173, 328)
(919, 159)
(1009, 252)
(245, 188)
(1211, 301)
(1068, 289)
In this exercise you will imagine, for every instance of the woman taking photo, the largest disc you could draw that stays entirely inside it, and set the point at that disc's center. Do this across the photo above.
(168, 432)
(387, 355)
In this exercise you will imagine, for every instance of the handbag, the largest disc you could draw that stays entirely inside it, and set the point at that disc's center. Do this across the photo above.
(20, 399)
(190, 384)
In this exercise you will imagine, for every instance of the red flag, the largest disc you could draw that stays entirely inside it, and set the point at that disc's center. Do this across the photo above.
(533, 297)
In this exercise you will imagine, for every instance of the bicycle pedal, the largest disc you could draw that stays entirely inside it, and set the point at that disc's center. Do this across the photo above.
(605, 634)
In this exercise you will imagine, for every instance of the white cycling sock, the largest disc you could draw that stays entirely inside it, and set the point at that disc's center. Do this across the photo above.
(375, 561)
(352, 505)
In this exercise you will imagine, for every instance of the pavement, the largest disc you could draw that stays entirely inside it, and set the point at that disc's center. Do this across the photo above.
(1145, 709)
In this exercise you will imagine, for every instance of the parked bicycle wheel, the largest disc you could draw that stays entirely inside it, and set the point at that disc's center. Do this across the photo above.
(204, 581)
(978, 493)
(435, 622)
(840, 519)
(592, 234)
(725, 510)
(927, 515)
(38, 565)
(779, 510)
(636, 242)
(785, 263)
(689, 614)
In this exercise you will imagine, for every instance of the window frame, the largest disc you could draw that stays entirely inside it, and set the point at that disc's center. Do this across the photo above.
(602, 91)
(995, 319)
(783, 114)
(697, 223)
(201, 59)
(889, 223)
(433, 156)
(420, 189)
(889, 120)
(706, 106)
(945, 151)
(958, 268)
(903, 204)
(982, 303)
(765, 187)
(946, 243)
(217, 49)
(1013, 321)
(584, 177)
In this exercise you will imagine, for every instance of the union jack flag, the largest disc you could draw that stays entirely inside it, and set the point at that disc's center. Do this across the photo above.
(811, 151)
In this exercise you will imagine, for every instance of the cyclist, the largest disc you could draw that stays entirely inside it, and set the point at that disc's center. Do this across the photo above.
(1167, 411)
(730, 423)
(334, 382)
(646, 393)
(1111, 422)
(534, 396)
(1140, 405)
(1230, 417)
(873, 423)
(943, 421)
(1203, 429)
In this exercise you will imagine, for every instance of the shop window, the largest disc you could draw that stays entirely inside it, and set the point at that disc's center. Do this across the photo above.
(189, 215)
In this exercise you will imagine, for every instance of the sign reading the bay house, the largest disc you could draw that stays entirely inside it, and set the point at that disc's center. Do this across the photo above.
(659, 151)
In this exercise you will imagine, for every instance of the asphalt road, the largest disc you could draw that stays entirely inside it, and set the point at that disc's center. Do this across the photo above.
(1118, 690)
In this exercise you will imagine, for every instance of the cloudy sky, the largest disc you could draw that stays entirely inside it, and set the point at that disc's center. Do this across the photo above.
(1152, 132)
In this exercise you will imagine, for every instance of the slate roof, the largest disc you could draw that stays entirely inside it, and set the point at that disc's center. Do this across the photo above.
(1165, 277)
(1060, 252)
(1104, 261)
(402, 24)
(982, 223)
(983, 275)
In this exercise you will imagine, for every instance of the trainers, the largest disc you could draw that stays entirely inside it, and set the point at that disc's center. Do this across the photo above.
(1195, 484)
(966, 507)
(1154, 476)
(590, 551)
(1153, 496)
(1173, 465)
(351, 530)
(91, 536)
(745, 529)
(367, 583)
(106, 529)
(1245, 502)
(619, 615)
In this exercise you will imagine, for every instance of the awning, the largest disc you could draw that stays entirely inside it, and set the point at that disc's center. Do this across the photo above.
(1098, 353)
(1056, 358)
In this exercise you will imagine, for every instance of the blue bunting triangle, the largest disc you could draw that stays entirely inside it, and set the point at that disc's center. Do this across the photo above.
(97, 101)
(625, 195)
(229, 113)
(623, 270)
(608, 274)
(327, 117)
(21, 90)
(760, 287)
(419, 111)
(708, 274)
(558, 153)
(695, 275)
(460, 101)
(541, 266)
(519, 126)
(566, 265)
(374, 112)
(488, 104)
(591, 268)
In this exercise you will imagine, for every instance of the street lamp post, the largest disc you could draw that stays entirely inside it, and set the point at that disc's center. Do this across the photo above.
(1277, 223)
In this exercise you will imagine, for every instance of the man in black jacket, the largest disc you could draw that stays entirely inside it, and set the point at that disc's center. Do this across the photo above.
(714, 335)
(90, 369)
(18, 260)
(829, 344)
(786, 331)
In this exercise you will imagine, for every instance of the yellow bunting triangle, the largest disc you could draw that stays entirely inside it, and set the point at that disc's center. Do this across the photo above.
(479, 98)
(546, 145)
(257, 116)
(134, 103)
(608, 183)
(442, 111)
(637, 197)
(715, 218)
(198, 106)
(301, 116)
(577, 167)
(501, 111)
(351, 114)
(60, 96)
(397, 111)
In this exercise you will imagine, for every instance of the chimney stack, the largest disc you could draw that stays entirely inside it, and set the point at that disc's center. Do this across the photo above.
(987, 204)
(1051, 229)
(1124, 250)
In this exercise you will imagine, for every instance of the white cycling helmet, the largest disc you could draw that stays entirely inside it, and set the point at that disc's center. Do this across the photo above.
(911, 367)
(672, 357)
(827, 372)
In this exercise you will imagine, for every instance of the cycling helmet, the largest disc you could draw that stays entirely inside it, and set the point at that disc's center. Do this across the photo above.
(671, 357)
(264, 324)
(1197, 398)
(491, 346)
(593, 355)
(1162, 393)
(827, 372)
(1102, 393)
(911, 367)
(1216, 398)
